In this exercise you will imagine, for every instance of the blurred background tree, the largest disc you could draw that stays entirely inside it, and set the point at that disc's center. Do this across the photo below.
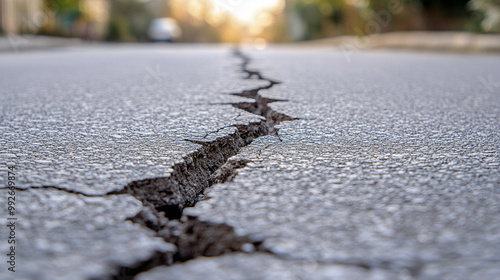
(75, 18)
(129, 21)
(486, 15)
(61, 17)
(234, 21)
(320, 18)
(327, 18)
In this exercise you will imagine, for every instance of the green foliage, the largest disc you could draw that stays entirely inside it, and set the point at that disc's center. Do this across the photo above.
(129, 21)
(310, 14)
(325, 18)
(118, 30)
(62, 6)
(316, 13)
(487, 13)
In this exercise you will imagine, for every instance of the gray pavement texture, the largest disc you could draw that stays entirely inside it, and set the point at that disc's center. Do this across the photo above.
(393, 166)
(390, 171)
(67, 236)
(79, 124)
(95, 120)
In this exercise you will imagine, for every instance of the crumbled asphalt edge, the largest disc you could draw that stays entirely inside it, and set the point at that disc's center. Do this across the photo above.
(228, 171)
(164, 198)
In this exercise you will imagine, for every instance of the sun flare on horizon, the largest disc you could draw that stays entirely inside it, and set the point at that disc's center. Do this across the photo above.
(247, 11)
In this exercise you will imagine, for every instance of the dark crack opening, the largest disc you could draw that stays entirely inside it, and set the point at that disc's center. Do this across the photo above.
(165, 198)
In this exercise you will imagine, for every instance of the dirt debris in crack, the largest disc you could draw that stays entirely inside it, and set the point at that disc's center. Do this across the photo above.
(164, 198)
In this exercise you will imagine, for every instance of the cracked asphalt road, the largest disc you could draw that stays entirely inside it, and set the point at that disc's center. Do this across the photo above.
(90, 121)
(106, 117)
(391, 170)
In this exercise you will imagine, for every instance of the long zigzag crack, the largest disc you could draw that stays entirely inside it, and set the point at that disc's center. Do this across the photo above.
(165, 198)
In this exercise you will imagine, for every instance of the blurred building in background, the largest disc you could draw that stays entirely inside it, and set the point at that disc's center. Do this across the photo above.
(20, 16)
(245, 20)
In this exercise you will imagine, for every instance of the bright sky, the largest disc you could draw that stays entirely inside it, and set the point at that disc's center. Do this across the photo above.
(246, 10)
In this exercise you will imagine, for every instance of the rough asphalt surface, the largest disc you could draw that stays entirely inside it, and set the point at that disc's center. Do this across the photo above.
(386, 165)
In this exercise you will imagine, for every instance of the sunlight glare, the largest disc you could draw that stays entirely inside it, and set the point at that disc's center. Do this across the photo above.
(246, 11)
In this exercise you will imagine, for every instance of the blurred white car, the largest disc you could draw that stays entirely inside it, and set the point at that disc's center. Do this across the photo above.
(164, 30)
